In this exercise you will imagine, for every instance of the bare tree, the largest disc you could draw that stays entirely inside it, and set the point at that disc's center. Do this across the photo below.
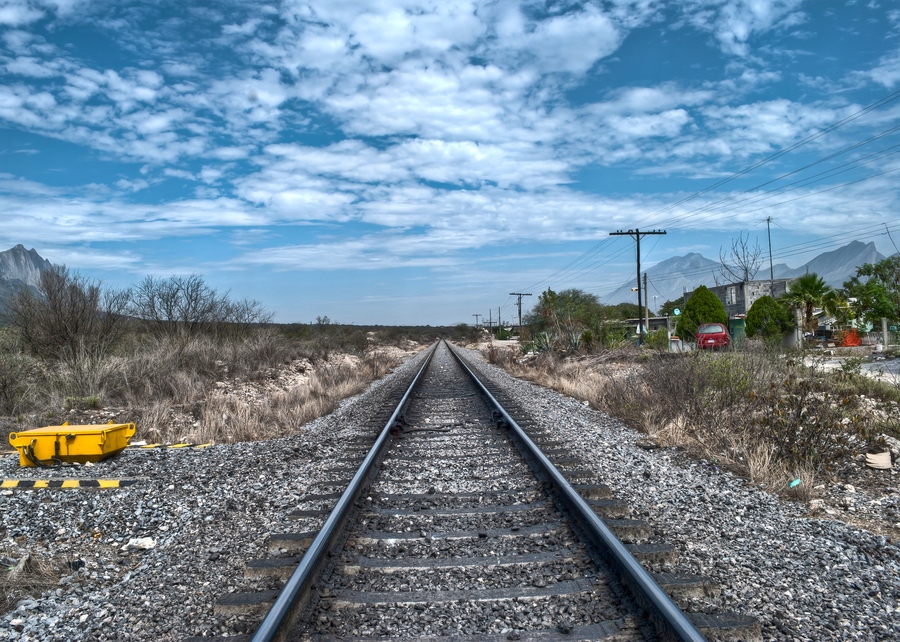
(177, 306)
(241, 316)
(184, 307)
(70, 318)
(743, 262)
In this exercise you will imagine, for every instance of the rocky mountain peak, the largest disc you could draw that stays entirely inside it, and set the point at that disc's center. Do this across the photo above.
(23, 266)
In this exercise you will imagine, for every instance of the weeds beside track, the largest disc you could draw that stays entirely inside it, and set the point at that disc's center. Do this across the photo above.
(764, 415)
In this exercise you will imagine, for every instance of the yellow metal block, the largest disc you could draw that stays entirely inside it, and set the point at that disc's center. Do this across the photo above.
(52, 445)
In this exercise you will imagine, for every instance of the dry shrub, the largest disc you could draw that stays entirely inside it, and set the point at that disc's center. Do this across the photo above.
(154, 421)
(755, 412)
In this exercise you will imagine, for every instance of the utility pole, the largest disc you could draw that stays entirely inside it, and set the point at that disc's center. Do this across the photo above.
(499, 324)
(491, 322)
(636, 234)
(476, 318)
(520, 295)
(771, 269)
(646, 307)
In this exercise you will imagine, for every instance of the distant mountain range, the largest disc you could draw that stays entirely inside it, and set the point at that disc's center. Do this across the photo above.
(670, 278)
(19, 269)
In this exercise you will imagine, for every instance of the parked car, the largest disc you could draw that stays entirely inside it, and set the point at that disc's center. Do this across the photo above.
(712, 336)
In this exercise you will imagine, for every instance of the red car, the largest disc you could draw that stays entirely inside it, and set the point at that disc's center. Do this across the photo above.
(712, 336)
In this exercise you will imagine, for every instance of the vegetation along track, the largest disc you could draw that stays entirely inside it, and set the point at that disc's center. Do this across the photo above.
(456, 525)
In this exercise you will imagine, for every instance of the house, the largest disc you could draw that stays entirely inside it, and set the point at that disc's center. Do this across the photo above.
(738, 297)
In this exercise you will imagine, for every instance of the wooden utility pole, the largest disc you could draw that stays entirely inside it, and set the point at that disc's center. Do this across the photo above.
(771, 269)
(636, 234)
(647, 300)
(520, 295)
(491, 322)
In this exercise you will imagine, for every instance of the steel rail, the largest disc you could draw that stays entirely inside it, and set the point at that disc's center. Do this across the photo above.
(321, 545)
(671, 617)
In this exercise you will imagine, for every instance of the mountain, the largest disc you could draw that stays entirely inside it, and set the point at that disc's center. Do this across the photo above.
(670, 278)
(20, 268)
(839, 265)
(26, 266)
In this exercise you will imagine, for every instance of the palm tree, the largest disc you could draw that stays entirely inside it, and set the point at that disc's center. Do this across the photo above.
(807, 292)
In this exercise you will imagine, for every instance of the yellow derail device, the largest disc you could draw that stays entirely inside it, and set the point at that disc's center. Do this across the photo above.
(56, 445)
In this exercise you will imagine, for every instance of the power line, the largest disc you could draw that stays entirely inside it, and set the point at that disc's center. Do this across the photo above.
(569, 268)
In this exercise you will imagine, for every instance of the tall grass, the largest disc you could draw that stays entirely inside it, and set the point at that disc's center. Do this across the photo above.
(152, 380)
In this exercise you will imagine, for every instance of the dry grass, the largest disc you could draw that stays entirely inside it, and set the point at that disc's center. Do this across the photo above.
(755, 412)
(173, 390)
(28, 576)
(225, 417)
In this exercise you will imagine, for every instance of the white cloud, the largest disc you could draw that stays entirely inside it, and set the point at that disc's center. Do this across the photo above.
(17, 13)
(765, 126)
(30, 66)
(549, 42)
(735, 22)
(132, 186)
(887, 71)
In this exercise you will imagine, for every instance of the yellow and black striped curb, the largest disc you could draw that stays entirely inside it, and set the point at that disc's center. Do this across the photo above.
(65, 483)
(146, 446)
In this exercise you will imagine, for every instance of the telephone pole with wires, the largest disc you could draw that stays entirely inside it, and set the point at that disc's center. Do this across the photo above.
(636, 234)
(771, 269)
(519, 295)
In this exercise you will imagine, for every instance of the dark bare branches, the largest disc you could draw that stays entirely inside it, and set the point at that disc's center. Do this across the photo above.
(743, 262)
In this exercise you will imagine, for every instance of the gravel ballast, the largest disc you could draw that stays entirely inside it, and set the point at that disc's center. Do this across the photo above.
(207, 511)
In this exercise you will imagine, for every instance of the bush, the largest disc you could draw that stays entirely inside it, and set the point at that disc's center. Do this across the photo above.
(16, 375)
(768, 319)
(658, 340)
(702, 307)
(72, 319)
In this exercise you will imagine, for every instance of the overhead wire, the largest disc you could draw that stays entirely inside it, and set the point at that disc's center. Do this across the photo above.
(578, 262)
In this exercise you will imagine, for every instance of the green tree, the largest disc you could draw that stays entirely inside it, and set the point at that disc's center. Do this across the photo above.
(876, 288)
(623, 311)
(768, 319)
(573, 320)
(702, 307)
(668, 308)
(808, 292)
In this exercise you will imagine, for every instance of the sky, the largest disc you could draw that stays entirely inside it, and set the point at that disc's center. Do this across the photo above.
(414, 162)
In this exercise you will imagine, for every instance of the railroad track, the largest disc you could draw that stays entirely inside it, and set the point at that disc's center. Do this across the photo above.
(456, 520)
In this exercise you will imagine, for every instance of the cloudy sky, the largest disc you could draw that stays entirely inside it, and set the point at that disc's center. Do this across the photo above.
(403, 161)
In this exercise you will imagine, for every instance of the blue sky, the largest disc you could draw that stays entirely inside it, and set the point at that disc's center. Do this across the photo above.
(401, 162)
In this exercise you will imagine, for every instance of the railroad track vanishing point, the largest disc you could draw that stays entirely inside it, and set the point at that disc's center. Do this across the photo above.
(458, 518)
